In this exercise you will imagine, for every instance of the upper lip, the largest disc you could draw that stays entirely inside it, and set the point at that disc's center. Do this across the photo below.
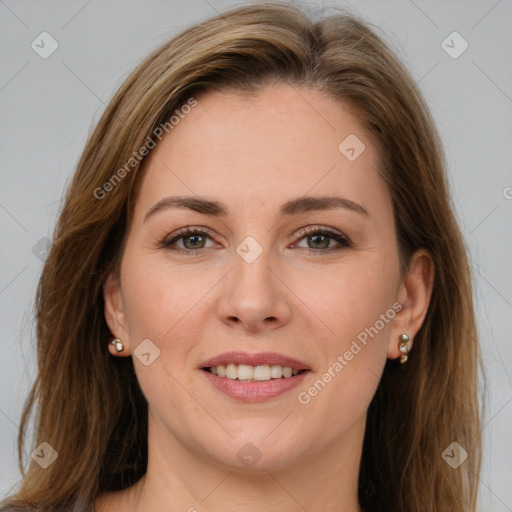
(260, 358)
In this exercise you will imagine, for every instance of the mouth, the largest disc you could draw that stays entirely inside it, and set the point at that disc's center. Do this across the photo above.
(254, 377)
(250, 373)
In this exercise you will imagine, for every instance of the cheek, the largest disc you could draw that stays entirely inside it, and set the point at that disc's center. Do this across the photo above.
(359, 315)
(159, 301)
(358, 310)
(165, 303)
(158, 296)
(350, 298)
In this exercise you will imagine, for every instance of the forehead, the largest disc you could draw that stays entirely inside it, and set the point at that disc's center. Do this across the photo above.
(284, 142)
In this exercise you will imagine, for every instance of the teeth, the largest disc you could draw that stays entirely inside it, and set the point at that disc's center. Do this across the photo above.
(261, 372)
(247, 372)
(276, 371)
(231, 371)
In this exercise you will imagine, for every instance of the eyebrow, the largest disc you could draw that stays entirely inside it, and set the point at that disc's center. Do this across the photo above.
(293, 207)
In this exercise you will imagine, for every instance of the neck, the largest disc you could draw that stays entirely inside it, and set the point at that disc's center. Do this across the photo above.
(179, 479)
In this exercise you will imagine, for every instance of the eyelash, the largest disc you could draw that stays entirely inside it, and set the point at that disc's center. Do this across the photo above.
(342, 240)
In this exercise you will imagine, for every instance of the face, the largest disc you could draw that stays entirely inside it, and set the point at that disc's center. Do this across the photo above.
(268, 281)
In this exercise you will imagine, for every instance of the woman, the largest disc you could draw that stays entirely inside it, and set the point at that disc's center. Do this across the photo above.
(257, 295)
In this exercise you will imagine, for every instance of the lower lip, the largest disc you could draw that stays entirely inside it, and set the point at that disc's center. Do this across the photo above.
(256, 391)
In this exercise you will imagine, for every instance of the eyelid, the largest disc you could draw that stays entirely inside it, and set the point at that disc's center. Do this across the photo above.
(192, 229)
(342, 240)
(186, 231)
(316, 228)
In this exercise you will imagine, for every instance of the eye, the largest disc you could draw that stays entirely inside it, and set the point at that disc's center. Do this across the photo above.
(319, 240)
(192, 239)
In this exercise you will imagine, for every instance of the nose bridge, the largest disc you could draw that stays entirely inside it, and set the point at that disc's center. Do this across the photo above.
(253, 294)
(251, 277)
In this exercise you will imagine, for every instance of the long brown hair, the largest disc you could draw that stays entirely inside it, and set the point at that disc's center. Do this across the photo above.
(88, 405)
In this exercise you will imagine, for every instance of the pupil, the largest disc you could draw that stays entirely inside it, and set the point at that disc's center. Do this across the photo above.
(325, 239)
(194, 239)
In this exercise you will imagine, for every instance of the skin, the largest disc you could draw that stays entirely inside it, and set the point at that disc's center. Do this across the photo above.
(254, 154)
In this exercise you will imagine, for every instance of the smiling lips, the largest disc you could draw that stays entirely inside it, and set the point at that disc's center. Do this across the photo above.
(254, 377)
(247, 372)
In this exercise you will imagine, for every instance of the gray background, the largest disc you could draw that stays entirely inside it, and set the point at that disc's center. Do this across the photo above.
(48, 107)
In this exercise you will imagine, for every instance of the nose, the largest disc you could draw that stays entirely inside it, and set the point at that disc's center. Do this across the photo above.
(254, 295)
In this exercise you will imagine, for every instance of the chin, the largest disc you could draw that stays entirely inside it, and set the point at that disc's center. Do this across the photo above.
(259, 452)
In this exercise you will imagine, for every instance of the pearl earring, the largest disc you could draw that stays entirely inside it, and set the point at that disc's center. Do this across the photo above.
(403, 347)
(119, 345)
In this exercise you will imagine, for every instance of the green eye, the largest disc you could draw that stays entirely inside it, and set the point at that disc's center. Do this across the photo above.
(193, 240)
(318, 240)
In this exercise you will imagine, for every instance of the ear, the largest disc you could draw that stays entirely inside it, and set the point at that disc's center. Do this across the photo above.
(115, 314)
(414, 293)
